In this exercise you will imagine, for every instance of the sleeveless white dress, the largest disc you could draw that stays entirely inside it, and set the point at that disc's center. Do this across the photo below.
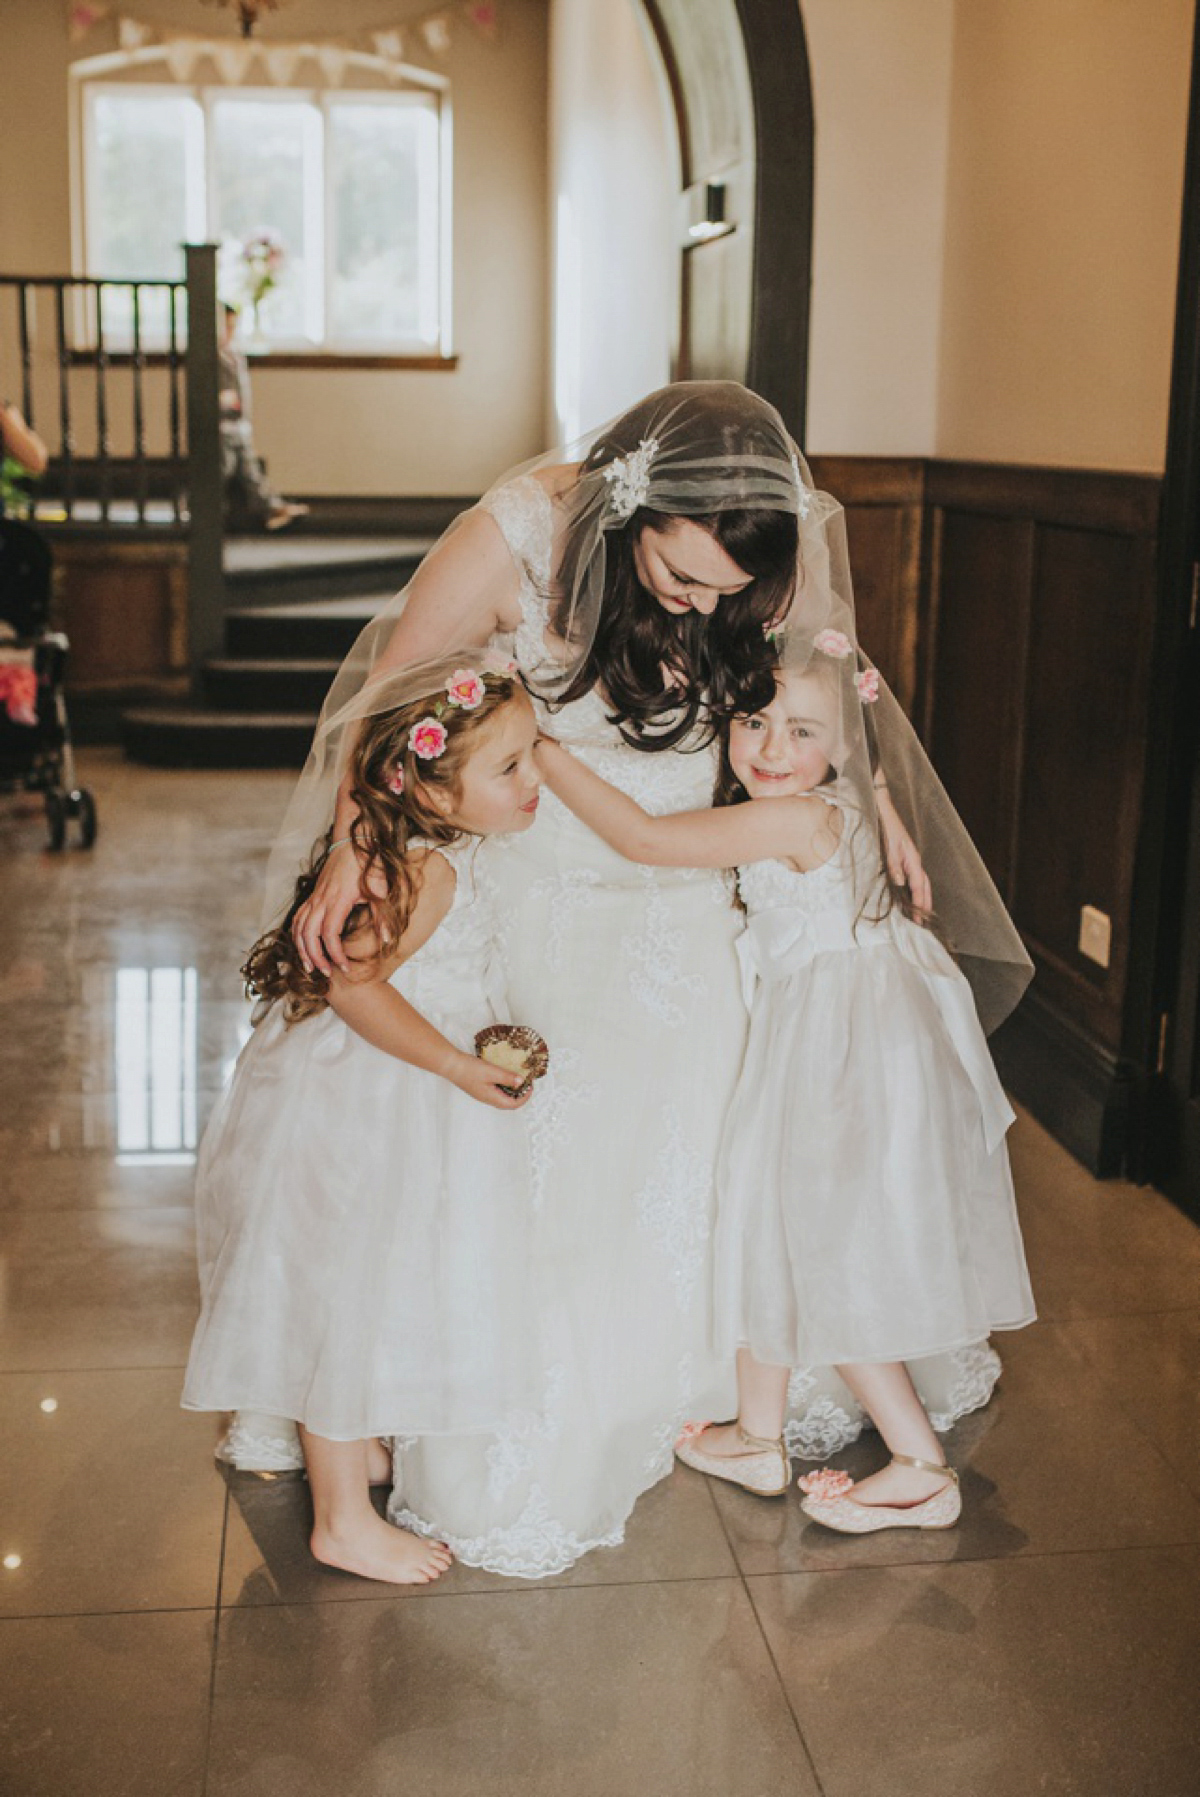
(364, 1226)
(632, 975)
(866, 1203)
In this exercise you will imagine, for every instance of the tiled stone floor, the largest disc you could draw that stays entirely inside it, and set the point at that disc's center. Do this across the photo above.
(166, 1633)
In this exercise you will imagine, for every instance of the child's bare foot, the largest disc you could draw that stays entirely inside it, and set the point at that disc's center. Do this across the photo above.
(379, 1462)
(900, 1486)
(375, 1550)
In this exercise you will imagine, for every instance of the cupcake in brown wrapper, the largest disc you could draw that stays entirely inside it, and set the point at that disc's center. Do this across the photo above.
(516, 1048)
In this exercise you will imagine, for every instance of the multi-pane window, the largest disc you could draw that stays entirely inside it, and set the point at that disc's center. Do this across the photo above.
(351, 183)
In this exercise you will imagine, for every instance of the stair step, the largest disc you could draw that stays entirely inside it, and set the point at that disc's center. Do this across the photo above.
(194, 736)
(268, 683)
(277, 570)
(319, 630)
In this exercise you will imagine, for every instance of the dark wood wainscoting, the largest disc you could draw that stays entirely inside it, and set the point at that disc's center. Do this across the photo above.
(1013, 610)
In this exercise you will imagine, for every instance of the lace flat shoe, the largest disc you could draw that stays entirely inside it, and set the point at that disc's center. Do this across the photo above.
(827, 1501)
(763, 1469)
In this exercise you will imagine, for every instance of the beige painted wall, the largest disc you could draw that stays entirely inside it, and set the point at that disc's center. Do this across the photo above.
(377, 432)
(614, 185)
(1065, 181)
(881, 97)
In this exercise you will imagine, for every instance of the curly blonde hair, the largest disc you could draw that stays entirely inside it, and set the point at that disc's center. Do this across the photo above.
(388, 824)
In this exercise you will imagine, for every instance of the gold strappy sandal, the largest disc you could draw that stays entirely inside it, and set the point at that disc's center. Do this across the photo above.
(763, 1469)
(827, 1501)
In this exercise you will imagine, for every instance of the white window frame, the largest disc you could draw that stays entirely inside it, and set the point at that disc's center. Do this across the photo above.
(434, 198)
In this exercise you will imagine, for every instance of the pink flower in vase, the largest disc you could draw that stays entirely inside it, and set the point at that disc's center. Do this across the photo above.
(427, 739)
(833, 642)
(465, 689)
(866, 685)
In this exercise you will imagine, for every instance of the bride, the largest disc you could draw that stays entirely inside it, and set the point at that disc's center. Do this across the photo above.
(635, 587)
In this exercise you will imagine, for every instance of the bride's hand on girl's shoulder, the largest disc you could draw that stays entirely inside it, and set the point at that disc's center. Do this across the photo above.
(346, 880)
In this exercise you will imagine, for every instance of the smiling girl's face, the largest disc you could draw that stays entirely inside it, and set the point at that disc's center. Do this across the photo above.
(499, 786)
(685, 568)
(789, 747)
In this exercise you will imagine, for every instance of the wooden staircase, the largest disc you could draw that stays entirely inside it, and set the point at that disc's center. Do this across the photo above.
(295, 605)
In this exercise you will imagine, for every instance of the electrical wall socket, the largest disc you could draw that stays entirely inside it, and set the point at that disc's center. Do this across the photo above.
(1095, 935)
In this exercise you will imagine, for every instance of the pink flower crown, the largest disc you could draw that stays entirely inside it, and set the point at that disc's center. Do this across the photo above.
(465, 690)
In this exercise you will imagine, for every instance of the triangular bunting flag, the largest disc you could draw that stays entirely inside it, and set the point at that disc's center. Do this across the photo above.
(182, 54)
(231, 59)
(435, 32)
(332, 60)
(132, 34)
(389, 45)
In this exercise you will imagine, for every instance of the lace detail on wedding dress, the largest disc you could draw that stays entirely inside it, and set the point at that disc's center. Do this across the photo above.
(572, 890)
(822, 1427)
(261, 1444)
(674, 1208)
(534, 1547)
(523, 511)
(977, 1369)
(656, 953)
(661, 1458)
(511, 1453)
(549, 1115)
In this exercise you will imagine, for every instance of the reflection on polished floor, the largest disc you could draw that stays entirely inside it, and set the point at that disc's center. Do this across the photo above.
(163, 1631)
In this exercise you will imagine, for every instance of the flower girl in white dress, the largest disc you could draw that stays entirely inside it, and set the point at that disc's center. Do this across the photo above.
(866, 1213)
(362, 1203)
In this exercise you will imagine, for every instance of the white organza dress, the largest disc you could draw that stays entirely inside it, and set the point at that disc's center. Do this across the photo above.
(631, 974)
(866, 1202)
(364, 1226)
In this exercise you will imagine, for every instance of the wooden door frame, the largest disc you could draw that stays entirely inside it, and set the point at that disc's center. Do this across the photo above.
(1159, 1044)
(772, 31)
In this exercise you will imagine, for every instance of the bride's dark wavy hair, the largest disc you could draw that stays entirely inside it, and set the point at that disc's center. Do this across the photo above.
(660, 672)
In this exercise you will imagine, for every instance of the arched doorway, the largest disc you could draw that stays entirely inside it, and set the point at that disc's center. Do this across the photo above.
(739, 78)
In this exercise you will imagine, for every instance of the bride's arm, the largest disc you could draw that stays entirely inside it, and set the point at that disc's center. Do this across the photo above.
(798, 829)
(465, 591)
(903, 857)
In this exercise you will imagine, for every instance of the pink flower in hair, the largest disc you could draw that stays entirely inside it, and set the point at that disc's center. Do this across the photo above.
(867, 685)
(826, 1482)
(396, 783)
(833, 642)
(465, 689)
(427, 739)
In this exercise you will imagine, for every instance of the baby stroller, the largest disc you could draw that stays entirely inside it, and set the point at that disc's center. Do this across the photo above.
(35, 735)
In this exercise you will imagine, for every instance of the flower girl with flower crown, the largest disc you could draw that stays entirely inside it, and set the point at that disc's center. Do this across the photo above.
(865, 1206)
(362, 1200)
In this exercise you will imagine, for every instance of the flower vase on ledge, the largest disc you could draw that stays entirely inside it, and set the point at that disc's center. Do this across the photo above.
(256, 342)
